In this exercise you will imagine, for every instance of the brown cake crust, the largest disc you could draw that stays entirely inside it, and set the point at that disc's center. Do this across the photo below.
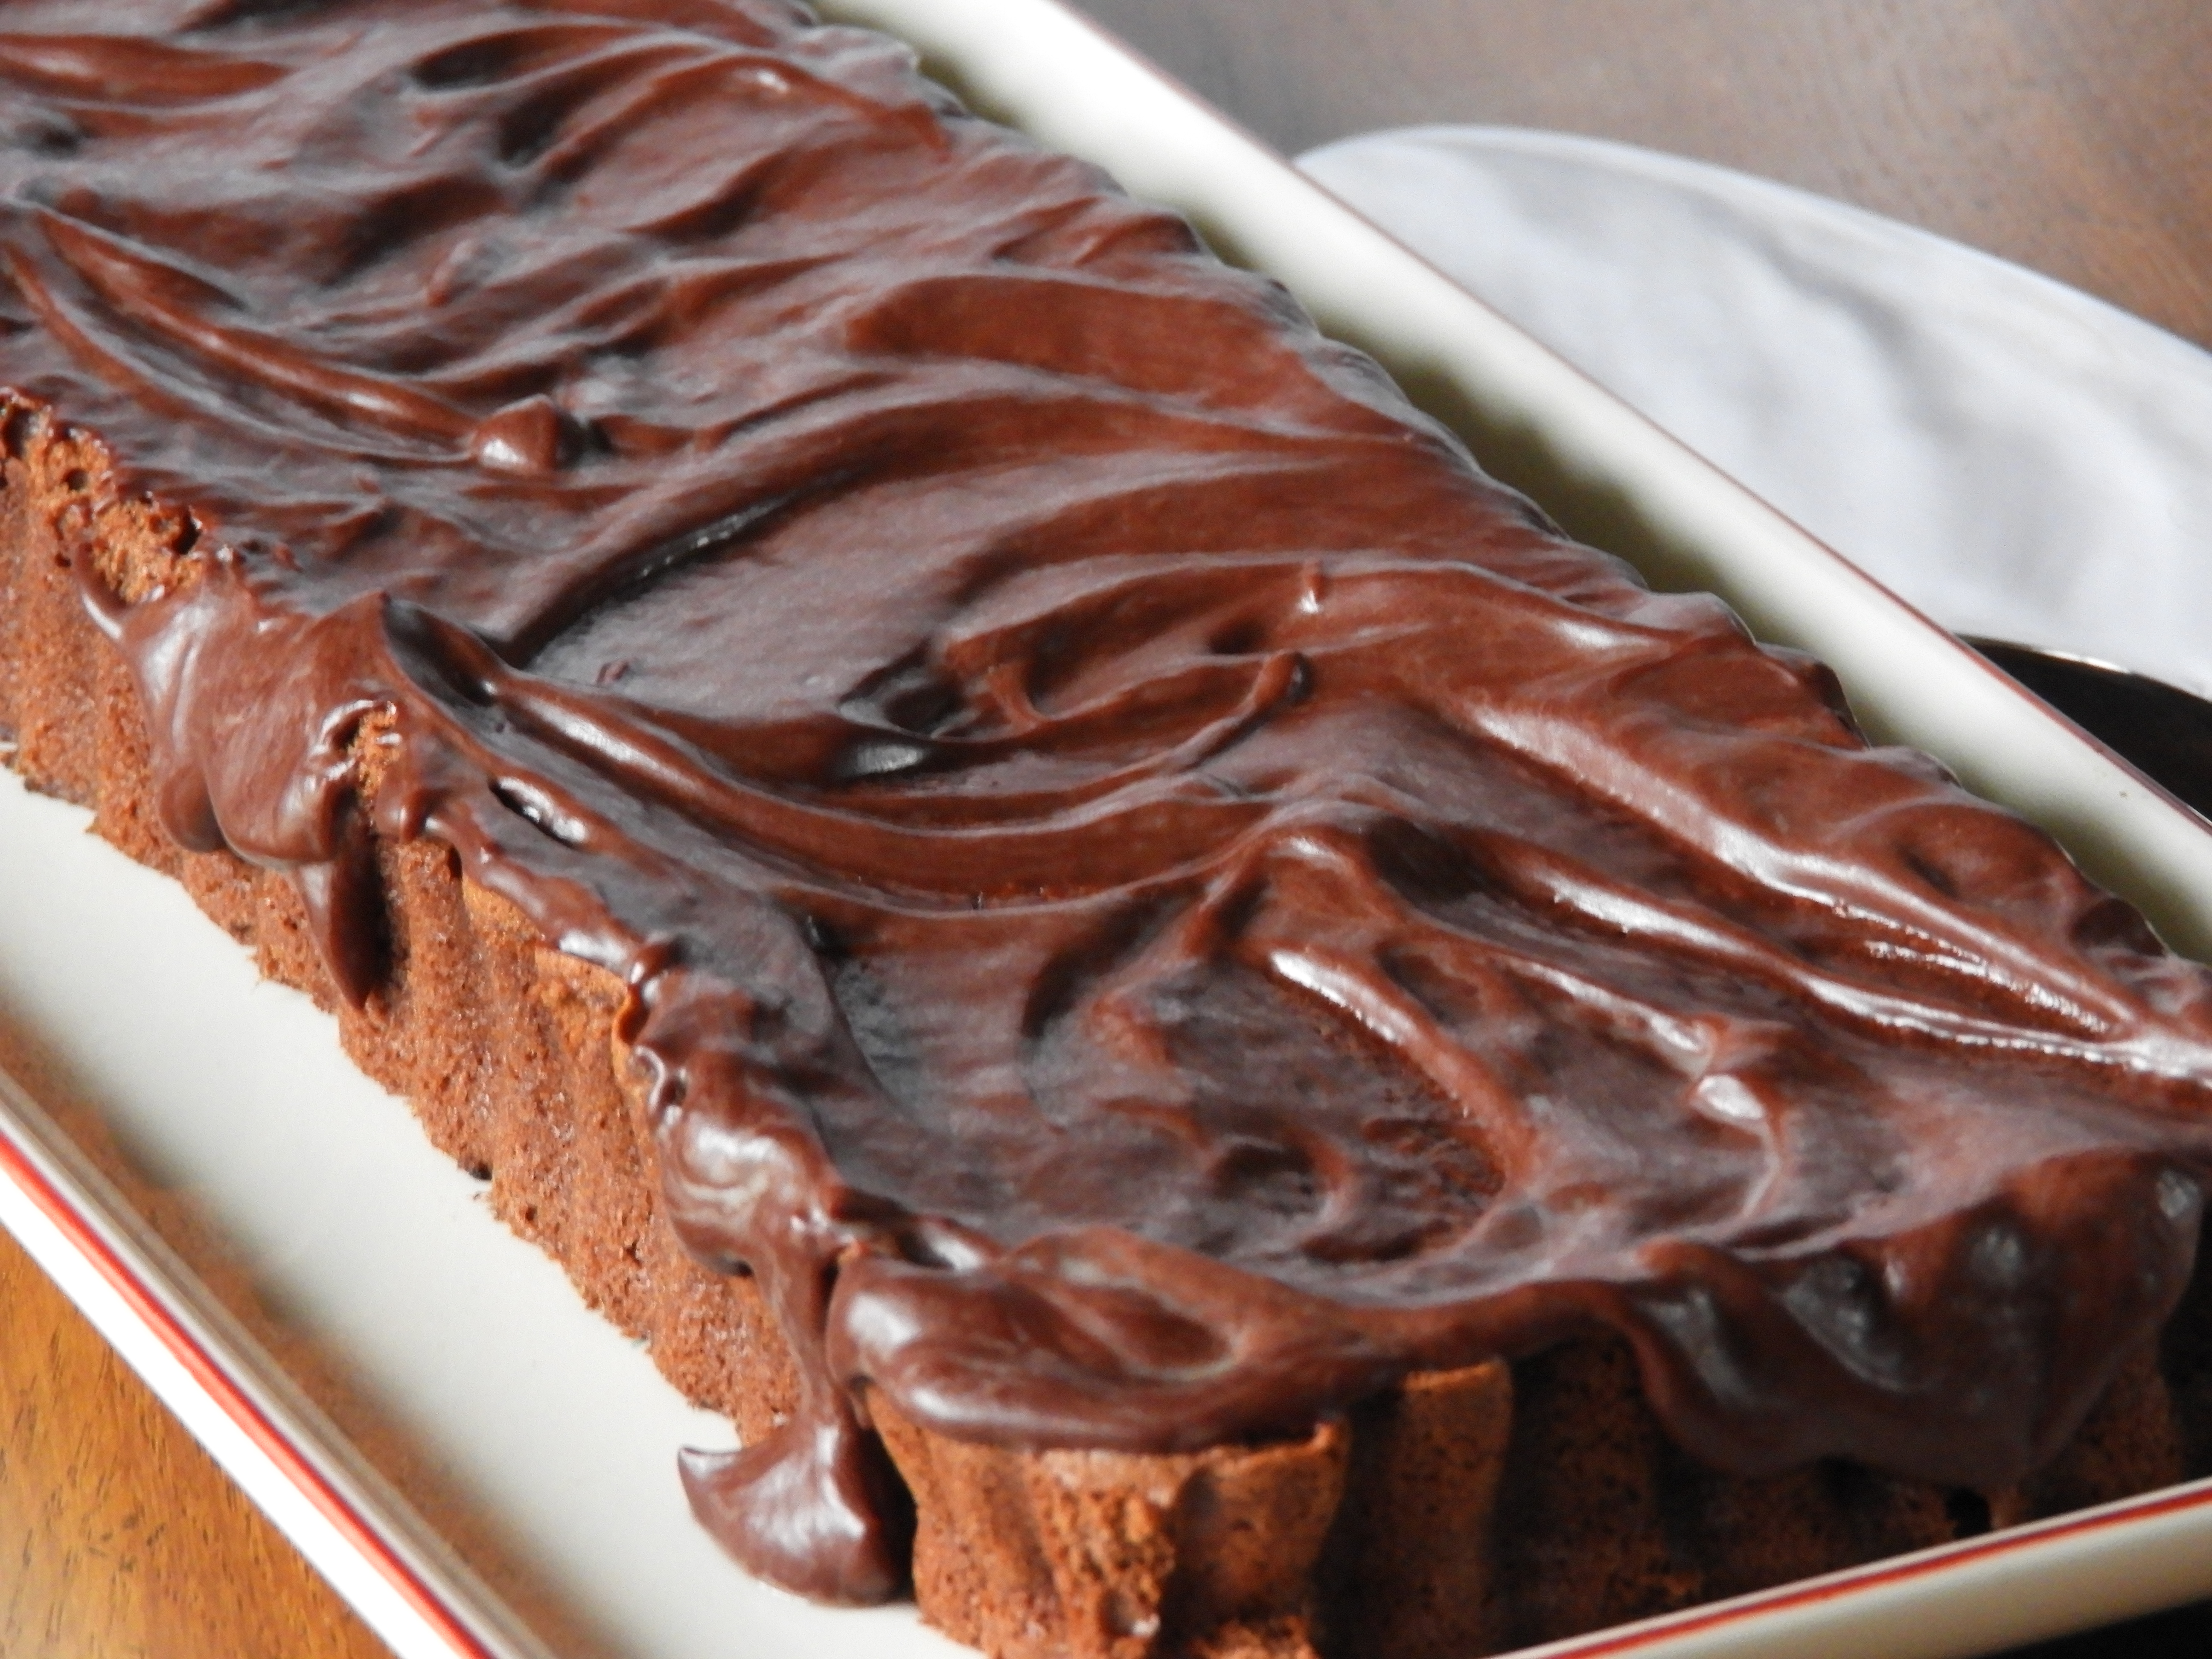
(1377, 1537)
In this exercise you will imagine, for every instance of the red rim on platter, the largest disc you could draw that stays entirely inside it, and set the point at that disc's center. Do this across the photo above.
(430, 1603)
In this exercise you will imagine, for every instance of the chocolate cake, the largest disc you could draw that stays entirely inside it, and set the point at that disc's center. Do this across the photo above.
(1214, 1040)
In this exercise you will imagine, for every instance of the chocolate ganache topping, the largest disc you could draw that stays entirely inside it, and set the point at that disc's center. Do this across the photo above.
(1156, 899)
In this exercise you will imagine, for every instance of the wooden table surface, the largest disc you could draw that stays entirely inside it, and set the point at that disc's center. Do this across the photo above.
(2072, 136)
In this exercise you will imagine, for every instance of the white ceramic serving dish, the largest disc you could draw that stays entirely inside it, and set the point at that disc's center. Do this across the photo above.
(503, 1482)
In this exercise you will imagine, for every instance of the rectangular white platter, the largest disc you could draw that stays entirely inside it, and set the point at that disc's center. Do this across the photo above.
(477, 1390)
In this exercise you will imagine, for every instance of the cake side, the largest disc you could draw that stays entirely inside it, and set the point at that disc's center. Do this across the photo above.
(1378, 1537)
(502, 1045)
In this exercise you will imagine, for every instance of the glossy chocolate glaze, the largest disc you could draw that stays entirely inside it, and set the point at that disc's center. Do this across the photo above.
(1157, 900)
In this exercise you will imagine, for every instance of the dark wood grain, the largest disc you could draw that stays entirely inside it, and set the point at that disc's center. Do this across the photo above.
(119, 1538)
(2074, 138)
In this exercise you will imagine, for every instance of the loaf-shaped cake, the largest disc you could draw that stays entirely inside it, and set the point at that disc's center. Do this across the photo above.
(1215, 1040)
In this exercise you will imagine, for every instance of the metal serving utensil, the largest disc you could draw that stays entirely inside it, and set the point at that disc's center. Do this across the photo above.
(2164, 730)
